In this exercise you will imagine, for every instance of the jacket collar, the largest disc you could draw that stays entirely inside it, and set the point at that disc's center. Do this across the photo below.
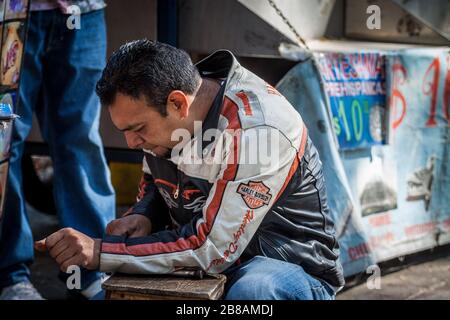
(220, 64)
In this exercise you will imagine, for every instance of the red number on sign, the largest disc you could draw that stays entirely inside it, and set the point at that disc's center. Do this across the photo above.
(446, 104)
(399, 76)
(431, 88)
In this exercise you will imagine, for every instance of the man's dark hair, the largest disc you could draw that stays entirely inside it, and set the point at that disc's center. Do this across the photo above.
(150, 69)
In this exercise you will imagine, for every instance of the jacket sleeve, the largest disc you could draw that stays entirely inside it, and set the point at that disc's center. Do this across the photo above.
(150, 203)
(242, 194)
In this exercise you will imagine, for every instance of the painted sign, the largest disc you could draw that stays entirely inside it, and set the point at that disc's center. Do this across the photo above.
(398, 193)
(356, 87)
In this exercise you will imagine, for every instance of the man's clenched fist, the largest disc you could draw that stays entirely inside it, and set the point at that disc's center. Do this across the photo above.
(70, 247)
(131, 226)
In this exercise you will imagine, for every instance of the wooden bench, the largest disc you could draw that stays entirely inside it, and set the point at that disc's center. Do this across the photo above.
(154, 287)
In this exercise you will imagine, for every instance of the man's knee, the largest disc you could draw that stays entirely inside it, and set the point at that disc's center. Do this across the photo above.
(269, 279)
(256, 287)
(260, 280)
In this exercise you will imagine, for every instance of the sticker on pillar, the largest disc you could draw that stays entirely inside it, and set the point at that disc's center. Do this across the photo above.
(16, 9)
(5, 139)
(3, 177)
(2, 10)
(7, 99)
(12, 50)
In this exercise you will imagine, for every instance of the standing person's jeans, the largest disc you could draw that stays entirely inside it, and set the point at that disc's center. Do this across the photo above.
(59, 73)
(263, 278)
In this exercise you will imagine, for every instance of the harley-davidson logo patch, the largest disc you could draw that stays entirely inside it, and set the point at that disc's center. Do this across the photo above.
(255, 194)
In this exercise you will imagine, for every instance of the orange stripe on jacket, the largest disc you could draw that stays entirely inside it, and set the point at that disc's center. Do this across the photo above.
(247, 107)
(296, 162)
(230, 111)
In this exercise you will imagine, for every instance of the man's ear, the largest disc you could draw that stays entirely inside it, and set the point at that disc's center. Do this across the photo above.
(177, 101)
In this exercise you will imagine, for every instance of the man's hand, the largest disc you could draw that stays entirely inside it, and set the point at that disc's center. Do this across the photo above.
(70, 247)
(134, 225)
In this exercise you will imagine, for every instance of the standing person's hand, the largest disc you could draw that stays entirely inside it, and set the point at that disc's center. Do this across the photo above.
(70, 247)
(132, 226)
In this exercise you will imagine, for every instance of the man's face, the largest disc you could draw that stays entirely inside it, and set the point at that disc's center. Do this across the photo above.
(143, 126)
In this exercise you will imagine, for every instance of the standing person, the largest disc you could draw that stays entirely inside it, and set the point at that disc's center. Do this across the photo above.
(61, 67)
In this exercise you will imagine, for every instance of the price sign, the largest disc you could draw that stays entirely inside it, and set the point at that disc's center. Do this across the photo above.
(356, 86)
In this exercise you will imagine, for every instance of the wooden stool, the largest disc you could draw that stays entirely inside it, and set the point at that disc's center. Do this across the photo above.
(155, 287)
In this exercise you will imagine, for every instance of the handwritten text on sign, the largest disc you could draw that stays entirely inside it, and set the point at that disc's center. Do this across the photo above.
(356, 86)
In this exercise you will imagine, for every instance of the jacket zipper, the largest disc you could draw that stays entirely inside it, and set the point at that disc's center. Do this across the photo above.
(177, 195)
(177, 191)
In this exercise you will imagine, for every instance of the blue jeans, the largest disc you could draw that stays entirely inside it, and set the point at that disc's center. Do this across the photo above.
(60, 70)
(263, 278)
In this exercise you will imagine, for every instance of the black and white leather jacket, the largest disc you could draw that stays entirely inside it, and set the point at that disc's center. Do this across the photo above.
(234, 199)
